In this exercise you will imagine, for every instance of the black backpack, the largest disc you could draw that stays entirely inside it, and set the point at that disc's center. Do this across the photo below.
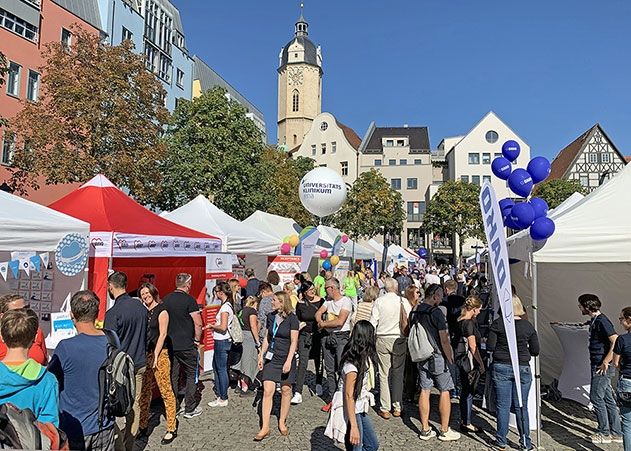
(20, 430)
(117, 381)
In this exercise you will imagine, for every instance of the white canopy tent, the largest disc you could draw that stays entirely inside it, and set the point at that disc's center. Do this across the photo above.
(238, 238)
(273, 225)
(328, 236)
(590, 252)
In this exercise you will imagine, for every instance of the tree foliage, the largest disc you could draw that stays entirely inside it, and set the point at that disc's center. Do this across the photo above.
(455, 210)
(216, 151)
(372, 208)
(556, 191)
(280, 183)
(99, 111)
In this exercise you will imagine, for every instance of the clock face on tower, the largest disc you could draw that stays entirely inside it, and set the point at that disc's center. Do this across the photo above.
(294, 76)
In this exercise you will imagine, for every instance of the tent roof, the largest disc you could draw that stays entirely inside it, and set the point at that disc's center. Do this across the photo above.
(27, 226)
(328, 236)
(201, 214)
(276, 226)
(108, 209)
(520, 244)
(595, 229)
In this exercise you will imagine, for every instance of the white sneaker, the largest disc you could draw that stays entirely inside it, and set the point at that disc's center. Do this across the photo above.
(600, 439)
(448, 436)
(218, 403)
(427, 435)
(319, 390)
(297, 399)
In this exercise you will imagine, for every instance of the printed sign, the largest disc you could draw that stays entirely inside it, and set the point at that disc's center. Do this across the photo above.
(71, 254)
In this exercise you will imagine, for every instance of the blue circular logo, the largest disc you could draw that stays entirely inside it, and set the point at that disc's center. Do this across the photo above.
(71, 254)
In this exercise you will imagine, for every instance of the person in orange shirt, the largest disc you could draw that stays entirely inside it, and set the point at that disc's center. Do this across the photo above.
(37, 351)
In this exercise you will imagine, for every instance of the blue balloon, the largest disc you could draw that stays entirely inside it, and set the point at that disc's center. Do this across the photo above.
(506, 203)
(326, 265)
(522, 214)
(539, 169)
(540, 207)
(542, 229)
(520, 182)
(422, 252)
(510, 149)
(501, 167)
(508, 222)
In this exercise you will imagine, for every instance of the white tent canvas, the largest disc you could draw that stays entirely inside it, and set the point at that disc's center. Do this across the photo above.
(276, 226)
(590, 252)
(328, 236)
(27, 226)
(239, 238)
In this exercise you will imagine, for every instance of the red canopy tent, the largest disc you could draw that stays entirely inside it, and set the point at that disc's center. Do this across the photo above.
(125, 236)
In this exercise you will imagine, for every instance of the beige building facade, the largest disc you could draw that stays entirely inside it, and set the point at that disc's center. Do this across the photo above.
(299, 87)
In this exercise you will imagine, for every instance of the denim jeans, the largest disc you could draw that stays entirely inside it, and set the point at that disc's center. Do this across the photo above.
(506, 400)
(466, 396)
(220, 367)
(368, 438)
(624, 385)
(601, 396)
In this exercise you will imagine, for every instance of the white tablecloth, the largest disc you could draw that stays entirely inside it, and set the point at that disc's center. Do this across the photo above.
(575, 377)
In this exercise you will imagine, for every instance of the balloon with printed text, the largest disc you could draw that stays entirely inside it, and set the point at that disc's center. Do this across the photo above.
(501, 168)
(322, 191)
(539, 169)
(520, 182)
(510, 149)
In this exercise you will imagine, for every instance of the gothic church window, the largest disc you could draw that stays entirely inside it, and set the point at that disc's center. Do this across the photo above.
(296, 101)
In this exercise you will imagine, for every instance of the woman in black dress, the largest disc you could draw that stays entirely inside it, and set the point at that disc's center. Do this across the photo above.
(277, 361)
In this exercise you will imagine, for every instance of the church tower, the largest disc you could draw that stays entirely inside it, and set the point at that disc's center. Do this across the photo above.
(299, 86)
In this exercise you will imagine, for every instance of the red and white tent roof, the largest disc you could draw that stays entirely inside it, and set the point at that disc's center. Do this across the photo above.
(121, 227)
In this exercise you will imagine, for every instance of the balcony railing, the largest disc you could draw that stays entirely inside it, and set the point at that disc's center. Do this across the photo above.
(415, 217)
(442, 243)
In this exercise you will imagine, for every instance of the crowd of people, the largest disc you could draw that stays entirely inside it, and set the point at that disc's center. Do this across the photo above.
(362, 333)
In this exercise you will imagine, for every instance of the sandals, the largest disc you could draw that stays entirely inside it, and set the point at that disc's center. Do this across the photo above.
(260, 437)
(168, 437)
(469, 428)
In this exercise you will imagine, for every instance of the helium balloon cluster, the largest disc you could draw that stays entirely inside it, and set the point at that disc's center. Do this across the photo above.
(289, 242)
(422, 252)
(334, 260)
(533, 213)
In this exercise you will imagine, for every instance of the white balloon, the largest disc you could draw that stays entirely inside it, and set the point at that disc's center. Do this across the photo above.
(322, 191)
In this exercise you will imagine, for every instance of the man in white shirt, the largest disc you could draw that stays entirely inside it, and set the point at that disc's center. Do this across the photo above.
(335, 332)
(391, 347)
(431, 278)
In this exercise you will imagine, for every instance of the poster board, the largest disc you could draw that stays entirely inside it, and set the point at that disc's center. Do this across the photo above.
(218, 267)
(285, 265)
(209, 316)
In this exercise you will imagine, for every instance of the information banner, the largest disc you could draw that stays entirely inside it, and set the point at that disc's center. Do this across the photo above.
(209, 316)
(285, 265)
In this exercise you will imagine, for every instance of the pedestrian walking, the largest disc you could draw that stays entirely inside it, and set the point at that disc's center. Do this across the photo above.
(622, 359)
(248, 365)
(223, 344)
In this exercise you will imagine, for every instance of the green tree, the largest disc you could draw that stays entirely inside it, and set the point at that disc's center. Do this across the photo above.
(455, 210)
(372, 208)
(281, 182)
(99, 111)
(216, 151)
(556, 191)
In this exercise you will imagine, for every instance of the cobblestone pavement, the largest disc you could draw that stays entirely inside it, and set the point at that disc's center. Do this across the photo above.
(565, 426)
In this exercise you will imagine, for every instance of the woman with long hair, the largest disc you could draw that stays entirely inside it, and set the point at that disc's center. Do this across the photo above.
(274, 280)
(223, 343)
(466, 345)
(235, 286)
(248, 365)
(308, 338)
(158, 362)
(622, 359)
(358, 358)
(276, 359)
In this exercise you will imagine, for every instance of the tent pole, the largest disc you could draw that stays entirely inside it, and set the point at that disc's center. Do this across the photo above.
(535, 315)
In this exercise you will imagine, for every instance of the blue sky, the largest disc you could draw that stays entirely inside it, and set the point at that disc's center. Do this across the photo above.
(550, 69)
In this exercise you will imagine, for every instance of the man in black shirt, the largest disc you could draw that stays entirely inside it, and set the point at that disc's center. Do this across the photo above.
(602, 338)
(128, 318)
(252, 287)
(185, 331)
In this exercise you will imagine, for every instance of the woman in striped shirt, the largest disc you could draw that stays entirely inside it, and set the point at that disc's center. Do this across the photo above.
(364, 308)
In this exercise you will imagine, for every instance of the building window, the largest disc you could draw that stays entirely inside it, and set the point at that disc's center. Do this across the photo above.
(400, 142)
(127, 35)
(389, 142)
(296, 101)
(491, 136)
(486, 178)
(395, 183)
(392, 162)
(313, 150)
(333, 147)
(13, 79)
(474, 158)
(464, 178)
(486, 158)
(593, 157)
(417, 162)
(66, 38)
(403, 162)
(415, 211)
(179, 79)
(584, 180)
(8, 146)
(344, 168)
(32, 87)
(324, 126)
(323, 148)
(412, 183)
(604, 157)
(158, 26)
(498, 154)
(295, 139)
(475, 179)
(17, 25)
(377, 162)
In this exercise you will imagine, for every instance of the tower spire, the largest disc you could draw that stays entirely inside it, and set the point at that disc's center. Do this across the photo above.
(302, 27)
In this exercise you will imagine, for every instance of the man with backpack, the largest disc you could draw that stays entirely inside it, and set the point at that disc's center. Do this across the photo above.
(76, 364)
(128, 319)
(433, 369)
